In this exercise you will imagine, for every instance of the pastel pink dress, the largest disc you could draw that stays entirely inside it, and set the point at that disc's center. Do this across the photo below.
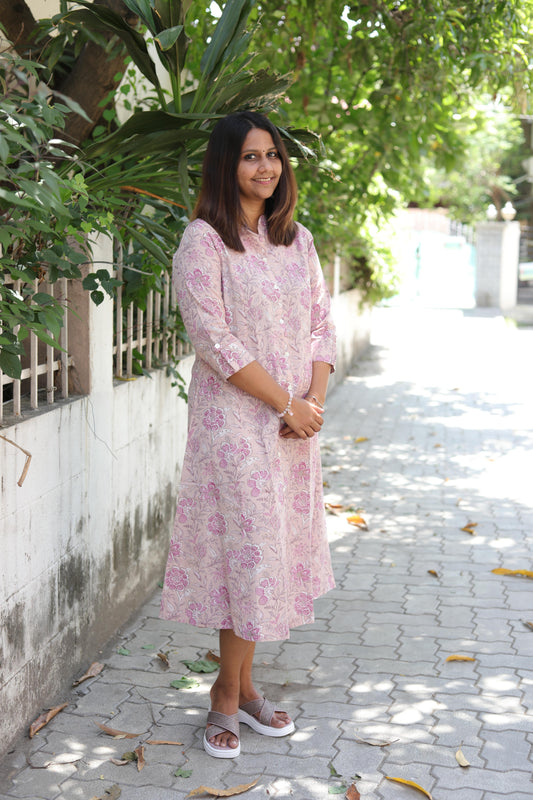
(249, 549)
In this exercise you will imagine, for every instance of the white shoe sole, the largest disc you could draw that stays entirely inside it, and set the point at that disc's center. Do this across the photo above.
(221, 752)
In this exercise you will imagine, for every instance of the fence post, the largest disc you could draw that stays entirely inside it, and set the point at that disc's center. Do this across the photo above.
(497, 251)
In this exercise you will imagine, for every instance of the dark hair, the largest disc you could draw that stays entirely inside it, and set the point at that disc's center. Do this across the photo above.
(219, 200)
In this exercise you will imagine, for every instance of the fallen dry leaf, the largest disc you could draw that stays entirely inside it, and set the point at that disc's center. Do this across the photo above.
(119, 762)
(117, 734)
(460, 658)
(523, 573)
(470, 528)
(212, 657)
(161, 741)
(113, 793)
(44, 719)
(243, 787)
(433, 572)
(375, 742)
(361, 439)
(411, 783)
(94, 670)
(352, 793)
(164, 659)
(461, 760)
(528, 624)
(139, 752)
(357, 520)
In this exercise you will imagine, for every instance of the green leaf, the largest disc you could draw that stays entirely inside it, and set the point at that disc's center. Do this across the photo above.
(10, 364)
(185, 683)
(201, 665)
(122, 651)
(148, 647)
(337, 789)
(183, 773)
(229, 27)
(167, 38)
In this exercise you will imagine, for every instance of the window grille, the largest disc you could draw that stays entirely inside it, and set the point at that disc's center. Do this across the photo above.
(44, 376)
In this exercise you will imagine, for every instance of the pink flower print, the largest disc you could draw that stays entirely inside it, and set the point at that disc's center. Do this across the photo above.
(295, 270)
(196, 279)
(217, 524)
(214, 419)
(193, 611)
(210, 388)
(177, 579)
(271, 291)
(317, 314)
(300, 574)
(303, 604)
(264, 590)
(228, 316)
(224, 454)
(175, 549)
(276, 363)
(250, 556)
(301, 503)
(246, 524)
(250, 632)
(300, 473)
(183, 506)
(244, 450)
(210, 305)
(316, 586)
(256, 481)
(210, 494)
(220, 597)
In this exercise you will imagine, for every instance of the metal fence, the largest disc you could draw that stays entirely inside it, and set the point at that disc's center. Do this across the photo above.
(44, 375)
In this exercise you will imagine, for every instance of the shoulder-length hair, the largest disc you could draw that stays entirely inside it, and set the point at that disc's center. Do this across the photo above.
(219, 200)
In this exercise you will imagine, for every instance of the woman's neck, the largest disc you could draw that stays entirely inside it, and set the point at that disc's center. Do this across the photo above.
(251, 214)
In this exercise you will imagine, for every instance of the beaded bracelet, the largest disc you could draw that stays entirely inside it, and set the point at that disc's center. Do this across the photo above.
(287, 409)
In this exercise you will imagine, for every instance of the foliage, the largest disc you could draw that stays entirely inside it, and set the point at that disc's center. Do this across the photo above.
(391, 87)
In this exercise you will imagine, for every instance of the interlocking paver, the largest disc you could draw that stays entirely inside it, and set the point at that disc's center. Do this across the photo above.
(446, 402)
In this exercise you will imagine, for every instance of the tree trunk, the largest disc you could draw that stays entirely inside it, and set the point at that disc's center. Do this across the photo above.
(93, 74)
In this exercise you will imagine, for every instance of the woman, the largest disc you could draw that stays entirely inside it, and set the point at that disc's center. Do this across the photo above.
(249, 551)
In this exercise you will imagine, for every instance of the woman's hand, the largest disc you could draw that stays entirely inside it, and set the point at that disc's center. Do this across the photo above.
(305, 421)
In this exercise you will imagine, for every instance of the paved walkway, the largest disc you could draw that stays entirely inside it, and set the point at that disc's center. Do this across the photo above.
(445, 401)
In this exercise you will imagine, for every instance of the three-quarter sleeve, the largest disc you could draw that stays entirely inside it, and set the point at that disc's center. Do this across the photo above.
(323, 335)
(197, 278)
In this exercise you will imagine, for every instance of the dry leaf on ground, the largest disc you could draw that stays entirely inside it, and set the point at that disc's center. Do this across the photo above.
(460, 658)
(139, 752)
(411, 783)
(113, 793)
(352, 793)
(119, 762)
(523, 573)
(376, 742)
(469, 528)
(433, 572)
(116, 733)
(461, 760)
(164, 659)
(162, 741)
(243, 787)
(212, 657)
(361, 439)
(357, 520)
(528, 624)
(94, 670)
(45, 718)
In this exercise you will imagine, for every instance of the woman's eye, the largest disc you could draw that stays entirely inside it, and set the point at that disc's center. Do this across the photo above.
(273, 154)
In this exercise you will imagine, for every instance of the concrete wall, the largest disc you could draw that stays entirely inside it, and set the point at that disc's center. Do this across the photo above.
(497, 255)
(84, 540)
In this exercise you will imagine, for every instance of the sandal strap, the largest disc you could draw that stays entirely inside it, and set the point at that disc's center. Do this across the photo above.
(260, 705)
(222, 722)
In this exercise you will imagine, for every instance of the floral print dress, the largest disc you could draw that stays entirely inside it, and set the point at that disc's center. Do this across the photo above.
(249, 549)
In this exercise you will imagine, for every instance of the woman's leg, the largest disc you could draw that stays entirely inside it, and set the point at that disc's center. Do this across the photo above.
(247, 690)
(234, 652)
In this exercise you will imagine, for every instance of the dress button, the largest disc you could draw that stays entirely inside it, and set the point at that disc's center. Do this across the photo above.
(282, 322)
(217, 346)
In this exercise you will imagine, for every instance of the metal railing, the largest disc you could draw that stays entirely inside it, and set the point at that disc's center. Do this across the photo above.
(44, 374)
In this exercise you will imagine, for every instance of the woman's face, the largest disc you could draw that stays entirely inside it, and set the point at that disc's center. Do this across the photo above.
(259, 168)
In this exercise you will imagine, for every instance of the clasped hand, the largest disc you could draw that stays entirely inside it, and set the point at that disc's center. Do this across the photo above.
(305, 421)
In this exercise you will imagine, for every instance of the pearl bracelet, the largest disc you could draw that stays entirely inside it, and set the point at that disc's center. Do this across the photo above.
(287, 409)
